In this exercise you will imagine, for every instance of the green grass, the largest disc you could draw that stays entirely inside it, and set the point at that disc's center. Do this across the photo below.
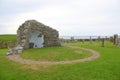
(107, 67)
(55, 54)
(7, 38)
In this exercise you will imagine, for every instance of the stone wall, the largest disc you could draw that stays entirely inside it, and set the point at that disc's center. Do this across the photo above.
(7, 44)
(50, 35)
(31, 34)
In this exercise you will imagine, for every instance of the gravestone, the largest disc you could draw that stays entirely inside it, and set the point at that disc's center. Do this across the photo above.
(115, 39)
(91, 41)
(72, 39)
(111, 39)
(119, 41)
(83, 40)
(102, 42)
(99, 38)
(33, 34)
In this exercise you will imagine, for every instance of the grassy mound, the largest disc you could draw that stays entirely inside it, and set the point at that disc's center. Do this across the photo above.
(55, 54)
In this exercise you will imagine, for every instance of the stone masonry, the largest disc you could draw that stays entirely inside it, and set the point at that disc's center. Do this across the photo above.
(33, 34)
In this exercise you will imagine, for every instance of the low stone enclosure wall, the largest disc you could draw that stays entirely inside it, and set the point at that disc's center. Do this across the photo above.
(113, 39)
(7, 44)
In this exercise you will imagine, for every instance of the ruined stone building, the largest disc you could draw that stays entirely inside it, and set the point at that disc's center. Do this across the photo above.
(33, 34)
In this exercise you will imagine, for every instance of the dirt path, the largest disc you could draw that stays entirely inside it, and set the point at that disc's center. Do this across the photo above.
(17, 58)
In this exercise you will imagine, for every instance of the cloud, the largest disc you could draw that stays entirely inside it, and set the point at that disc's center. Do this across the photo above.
(80, 17)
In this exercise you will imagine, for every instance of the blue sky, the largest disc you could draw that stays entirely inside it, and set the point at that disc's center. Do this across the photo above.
(69, 17)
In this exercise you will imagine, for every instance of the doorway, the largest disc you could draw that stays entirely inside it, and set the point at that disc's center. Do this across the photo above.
(36, 39)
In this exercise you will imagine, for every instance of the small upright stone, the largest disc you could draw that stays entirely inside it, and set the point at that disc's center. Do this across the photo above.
(115, 39)
(119, 41)
(91, 41)
(102, 42)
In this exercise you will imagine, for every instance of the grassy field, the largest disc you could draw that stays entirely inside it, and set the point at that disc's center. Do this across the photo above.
(55, 54)
(106, 67)
(7, 38)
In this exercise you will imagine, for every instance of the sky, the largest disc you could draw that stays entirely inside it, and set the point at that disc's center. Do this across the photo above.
(69, 17)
